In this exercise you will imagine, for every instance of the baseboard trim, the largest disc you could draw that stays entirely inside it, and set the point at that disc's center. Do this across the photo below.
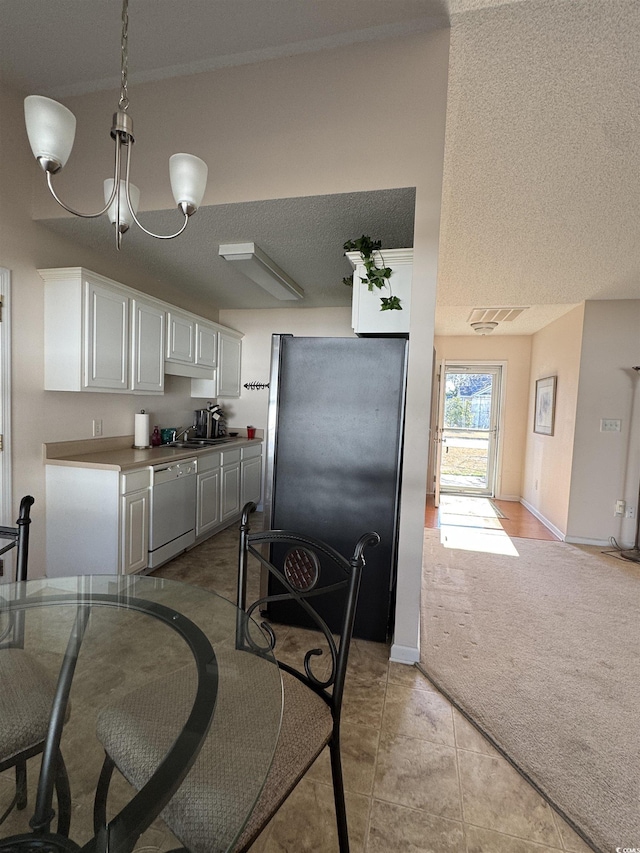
(404, 654)
(580, 540)
(555, 530)
(514, 498)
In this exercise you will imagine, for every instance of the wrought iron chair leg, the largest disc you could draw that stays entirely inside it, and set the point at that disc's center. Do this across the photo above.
(21, 784)
(338, 793)
(102, 790)
(63, 794)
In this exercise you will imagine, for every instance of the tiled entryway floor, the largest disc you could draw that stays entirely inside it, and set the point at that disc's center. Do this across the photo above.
(419, 777)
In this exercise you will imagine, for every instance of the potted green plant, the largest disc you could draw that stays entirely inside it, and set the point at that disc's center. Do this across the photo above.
(376, 276)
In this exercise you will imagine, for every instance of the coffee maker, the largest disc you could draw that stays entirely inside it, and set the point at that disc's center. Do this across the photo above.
(208, 422)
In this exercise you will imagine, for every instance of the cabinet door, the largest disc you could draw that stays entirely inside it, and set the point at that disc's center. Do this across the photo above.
(181, 338)
(147, 346)
(208, 513)
(135, 531)
(229, 352)
(230, 491)
(206, 346)
(106, 344)
(251, 480)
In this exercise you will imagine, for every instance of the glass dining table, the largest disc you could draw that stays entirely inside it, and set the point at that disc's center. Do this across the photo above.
(183, 666)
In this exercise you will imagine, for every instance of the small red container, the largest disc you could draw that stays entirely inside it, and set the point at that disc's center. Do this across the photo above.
(251, 432)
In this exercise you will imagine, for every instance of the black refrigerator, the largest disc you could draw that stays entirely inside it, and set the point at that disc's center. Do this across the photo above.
(333, 461)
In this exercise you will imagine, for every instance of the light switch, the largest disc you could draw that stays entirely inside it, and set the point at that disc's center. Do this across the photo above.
(610, 425)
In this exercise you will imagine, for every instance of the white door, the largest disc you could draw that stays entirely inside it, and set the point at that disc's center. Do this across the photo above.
(7, 516)
(438, 385)
(468, 428)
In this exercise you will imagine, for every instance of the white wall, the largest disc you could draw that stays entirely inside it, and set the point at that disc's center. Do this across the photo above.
(549, 458)
(258, 326)
(292, 127)
(606, 465)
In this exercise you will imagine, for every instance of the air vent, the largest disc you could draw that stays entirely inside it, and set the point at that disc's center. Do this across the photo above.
(494, 315)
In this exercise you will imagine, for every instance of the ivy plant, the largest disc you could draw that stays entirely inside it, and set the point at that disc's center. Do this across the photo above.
(376, 276)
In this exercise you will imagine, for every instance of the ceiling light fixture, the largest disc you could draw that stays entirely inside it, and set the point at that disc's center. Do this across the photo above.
(260, 268)
(484, 328)
(51, 129)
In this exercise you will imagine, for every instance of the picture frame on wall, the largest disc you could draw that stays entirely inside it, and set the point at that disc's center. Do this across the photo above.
(545, 408)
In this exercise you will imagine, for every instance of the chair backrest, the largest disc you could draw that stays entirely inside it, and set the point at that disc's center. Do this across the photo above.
(300, 577)
(11, 634)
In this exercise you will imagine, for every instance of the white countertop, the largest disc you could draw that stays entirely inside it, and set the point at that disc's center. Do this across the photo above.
(118, 454)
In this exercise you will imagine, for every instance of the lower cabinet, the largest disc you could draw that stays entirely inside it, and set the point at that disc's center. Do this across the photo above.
(134, 520)
(227, 479)
(251, 474)
(230, 484)
(208, 498)
(97, 520)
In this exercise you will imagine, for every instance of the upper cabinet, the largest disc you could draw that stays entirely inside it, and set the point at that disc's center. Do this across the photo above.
(147, 345)
(229, 355)
(226, 379)
(181, 337)
(192, 345)
(366, 316)
(89, 345)
(103, 336)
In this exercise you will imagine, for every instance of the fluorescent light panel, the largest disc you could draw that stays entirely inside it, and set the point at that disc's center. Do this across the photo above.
(260, 268)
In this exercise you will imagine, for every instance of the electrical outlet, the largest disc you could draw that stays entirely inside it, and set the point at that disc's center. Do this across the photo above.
(97, 428)
(631, 512)
(620, 508)
(610, 425)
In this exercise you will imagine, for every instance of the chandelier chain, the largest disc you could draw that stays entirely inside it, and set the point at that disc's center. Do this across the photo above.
(123, 103)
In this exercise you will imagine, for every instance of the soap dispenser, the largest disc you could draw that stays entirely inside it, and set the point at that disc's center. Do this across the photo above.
(156, 438)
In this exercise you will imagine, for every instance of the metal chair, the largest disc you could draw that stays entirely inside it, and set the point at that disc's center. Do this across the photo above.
(26, 690)
(312, 695)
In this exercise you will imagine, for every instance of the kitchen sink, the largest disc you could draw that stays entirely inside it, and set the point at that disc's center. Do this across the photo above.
(194, 443)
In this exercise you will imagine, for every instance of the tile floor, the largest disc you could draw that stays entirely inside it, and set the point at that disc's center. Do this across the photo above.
(419, 778)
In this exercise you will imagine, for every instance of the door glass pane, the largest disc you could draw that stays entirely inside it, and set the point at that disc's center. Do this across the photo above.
(467, 432)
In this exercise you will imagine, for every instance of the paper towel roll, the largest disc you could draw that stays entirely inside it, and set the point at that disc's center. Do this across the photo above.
(141, 433)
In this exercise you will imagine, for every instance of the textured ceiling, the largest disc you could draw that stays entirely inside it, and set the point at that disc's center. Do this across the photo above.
(541, 189)
(304, 236)
(541, 196)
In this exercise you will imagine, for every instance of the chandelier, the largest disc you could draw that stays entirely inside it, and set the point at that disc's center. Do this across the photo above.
(51, 129)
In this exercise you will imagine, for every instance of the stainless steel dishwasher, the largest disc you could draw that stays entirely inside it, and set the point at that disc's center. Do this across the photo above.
(172, 526)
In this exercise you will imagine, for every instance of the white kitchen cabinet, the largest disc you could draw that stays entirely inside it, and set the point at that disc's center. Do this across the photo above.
(134, 520)
(106, 349)
(209, 494)
(100, 335)
(366, 316)
(181, 338)
(251, 474)
(230, 484)
(229, 357)
(97, 520)
(206, 345)
(147, 346)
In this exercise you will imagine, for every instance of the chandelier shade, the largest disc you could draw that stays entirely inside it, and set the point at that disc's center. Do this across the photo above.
(188, 175)
(51, 129)
(123, 215)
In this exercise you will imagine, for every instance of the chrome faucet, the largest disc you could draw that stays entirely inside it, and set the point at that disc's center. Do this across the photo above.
(182, 432)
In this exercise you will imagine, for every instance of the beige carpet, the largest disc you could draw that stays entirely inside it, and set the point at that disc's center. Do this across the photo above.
(540, 646)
